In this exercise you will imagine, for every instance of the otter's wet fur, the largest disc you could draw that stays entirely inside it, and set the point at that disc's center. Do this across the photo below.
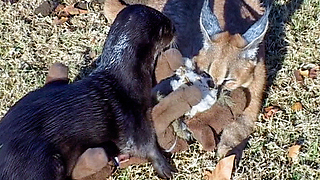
(44, 133)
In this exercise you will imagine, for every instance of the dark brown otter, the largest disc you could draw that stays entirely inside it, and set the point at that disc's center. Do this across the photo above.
(43, 134)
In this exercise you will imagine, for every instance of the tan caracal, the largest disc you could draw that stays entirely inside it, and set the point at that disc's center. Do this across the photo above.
(234, 59)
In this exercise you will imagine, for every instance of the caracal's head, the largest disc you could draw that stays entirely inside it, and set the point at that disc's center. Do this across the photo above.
(229, 58)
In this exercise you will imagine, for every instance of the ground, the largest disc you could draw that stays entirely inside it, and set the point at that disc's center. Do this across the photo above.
(30, 43)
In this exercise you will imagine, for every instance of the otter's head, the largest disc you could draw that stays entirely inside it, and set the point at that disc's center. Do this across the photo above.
(142, 30)
(229, 58)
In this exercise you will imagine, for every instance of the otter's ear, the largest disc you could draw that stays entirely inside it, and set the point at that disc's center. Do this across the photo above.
(255, 35)
(208, 22)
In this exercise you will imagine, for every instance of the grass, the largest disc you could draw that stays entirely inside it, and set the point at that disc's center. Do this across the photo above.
(29, 44)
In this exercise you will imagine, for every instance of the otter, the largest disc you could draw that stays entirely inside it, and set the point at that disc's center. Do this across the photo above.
(45, 132)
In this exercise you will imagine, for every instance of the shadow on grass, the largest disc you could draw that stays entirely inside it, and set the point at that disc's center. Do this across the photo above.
(276, 46)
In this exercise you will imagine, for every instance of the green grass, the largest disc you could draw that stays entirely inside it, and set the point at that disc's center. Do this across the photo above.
(29, 44)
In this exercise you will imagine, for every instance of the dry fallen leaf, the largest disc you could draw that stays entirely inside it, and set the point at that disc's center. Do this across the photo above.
(294, 151)
(223, 170)
(313, 72)
(74, 11)
(270, 111)
(304, 73)
(298, 76)
(65, 12)
(59, 8)
(297, 106)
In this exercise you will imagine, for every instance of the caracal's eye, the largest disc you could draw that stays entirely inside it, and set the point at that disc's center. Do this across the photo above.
(228, 80)
(230, 84)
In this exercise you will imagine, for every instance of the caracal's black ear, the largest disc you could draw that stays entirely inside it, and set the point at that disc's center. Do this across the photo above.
(208, 21)
(255, 35)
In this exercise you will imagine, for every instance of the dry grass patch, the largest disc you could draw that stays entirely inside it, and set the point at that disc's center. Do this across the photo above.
(29, 44)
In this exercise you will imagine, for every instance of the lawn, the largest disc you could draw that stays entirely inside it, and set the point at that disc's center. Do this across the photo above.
(30, 43)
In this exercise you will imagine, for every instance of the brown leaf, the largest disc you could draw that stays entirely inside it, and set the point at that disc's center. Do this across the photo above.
(223, 169)
(270, 111)
(297, 106)
(313, 72)
(59, 8)
(294, 151)
(74, 11)
(298, 76)
(59, 21)
(304, 73)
